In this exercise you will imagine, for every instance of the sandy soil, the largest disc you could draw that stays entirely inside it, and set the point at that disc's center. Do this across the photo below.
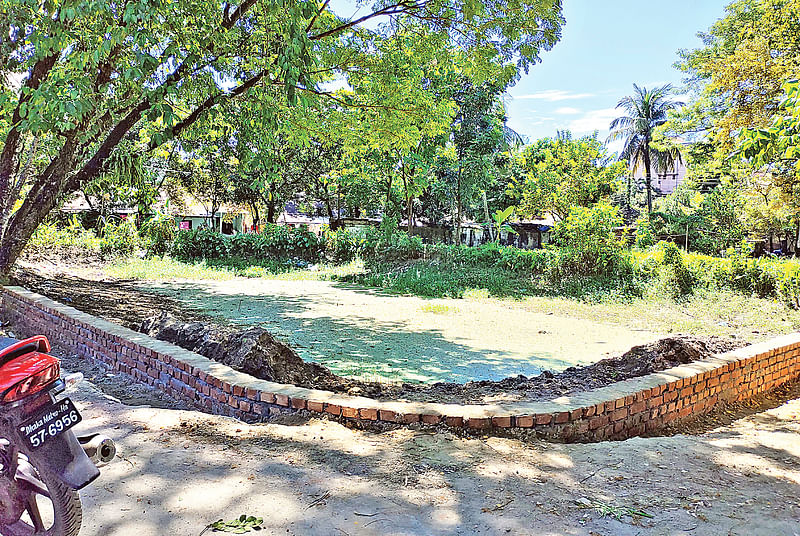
(179, 470)
(367, 333)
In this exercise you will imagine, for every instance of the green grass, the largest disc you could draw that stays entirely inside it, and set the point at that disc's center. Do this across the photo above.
(167, 268)
(706, 311)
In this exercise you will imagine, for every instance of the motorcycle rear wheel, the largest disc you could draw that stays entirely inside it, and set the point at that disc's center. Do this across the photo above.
(53, 508)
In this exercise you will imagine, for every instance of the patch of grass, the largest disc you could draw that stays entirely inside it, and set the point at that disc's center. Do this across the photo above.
(435, 278)
(436, 308)
(167, 268)
(718, 312)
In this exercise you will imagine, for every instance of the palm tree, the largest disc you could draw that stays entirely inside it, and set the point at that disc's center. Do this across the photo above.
(646, 110)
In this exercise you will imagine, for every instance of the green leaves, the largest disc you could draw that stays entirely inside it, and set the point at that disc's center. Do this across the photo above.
(238, 526)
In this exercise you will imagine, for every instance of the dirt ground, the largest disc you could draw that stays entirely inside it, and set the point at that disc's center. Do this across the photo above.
(179, 470)
(361, 332)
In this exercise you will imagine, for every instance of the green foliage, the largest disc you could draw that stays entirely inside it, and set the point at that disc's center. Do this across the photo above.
(390, 244)
(241, 525)
(500, 219)
(562, 172)
(273, 242)
(120, 237)
(342, 246)
(49, 237)
(674, 278)
(645, 237)
(588, 243)
(158, 233)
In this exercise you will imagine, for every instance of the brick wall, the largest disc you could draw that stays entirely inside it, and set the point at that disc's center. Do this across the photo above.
(625, 409)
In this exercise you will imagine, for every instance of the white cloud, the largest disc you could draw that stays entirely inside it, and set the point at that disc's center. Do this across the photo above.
(566, 110)
(593, 120)
(554, 95)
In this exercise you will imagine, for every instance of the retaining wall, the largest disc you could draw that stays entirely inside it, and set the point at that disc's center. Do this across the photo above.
(624, 409)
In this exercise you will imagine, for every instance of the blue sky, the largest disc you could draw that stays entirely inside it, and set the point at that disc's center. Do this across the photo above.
(606, 46)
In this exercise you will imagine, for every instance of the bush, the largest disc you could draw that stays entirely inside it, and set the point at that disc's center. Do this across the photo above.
(387, 244)
(275, 242)
(119, 238)
(341, 246)
(49, 237)
(674, 278)
(158, 233)
(200, 243)
(645, 236)
(589, 245)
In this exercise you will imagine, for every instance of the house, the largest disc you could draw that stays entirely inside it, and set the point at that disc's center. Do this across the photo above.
(663, 183)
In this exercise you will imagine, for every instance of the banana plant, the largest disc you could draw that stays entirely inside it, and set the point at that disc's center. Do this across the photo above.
(501, 218)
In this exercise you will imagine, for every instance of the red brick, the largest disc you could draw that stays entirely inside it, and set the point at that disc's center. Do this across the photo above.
(410, 418)
(638, 407)
(431, 419)
(298, 403)
(598, 422)
(576, 414)
(561, 417)
(350, 413)
(369, 414)
(454, 422)
(333, 409)
(619, 414)
(388, 415)
(502, 422)
(244, 405)
(589, 411)
(524, 421)
(268, 398)
(479, 423)
(282, 400)
(618, 403)
(543, 418)
(314, 406)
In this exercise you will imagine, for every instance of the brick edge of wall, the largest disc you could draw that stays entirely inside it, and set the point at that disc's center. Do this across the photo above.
(625, 409)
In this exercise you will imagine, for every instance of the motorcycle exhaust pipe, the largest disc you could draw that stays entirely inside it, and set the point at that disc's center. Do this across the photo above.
(99, 448)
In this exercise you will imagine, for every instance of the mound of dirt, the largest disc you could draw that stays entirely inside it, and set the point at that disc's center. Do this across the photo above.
(253, 351)
(638, 361)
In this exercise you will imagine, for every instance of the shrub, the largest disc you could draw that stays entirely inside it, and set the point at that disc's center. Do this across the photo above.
(645, 236)
(119, 238)
(674, 278)
(50, 236)
(158, 233)
(589, 245)
(202, 243)
(341, 246)
(275, 242)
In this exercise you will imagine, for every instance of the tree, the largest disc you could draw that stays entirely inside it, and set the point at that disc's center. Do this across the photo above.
(738, 72)
(774, 154)
(95, 71)
(561, 173)
(646, 110)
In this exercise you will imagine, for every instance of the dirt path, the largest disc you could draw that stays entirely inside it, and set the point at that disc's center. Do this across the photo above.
(180, 470)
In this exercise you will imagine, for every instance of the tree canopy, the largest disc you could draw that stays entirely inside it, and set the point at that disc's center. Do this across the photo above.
(91, 79)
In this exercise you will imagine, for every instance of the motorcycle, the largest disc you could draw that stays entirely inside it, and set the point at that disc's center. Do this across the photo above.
(43, 463)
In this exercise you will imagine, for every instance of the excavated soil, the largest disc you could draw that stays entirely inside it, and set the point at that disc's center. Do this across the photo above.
(256, 352)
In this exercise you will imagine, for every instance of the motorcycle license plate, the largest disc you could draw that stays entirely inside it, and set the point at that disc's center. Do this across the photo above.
(50, 423)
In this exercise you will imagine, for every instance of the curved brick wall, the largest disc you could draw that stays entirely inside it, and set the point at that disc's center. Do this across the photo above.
(622, 410)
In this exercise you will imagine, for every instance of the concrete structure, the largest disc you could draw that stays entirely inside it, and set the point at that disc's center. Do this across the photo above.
(663, 183)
